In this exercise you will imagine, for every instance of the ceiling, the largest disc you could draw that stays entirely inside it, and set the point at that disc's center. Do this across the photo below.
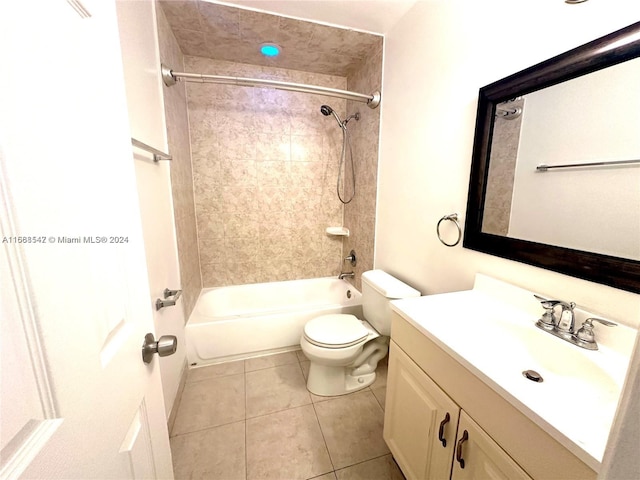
(225, 32)
(375, 16)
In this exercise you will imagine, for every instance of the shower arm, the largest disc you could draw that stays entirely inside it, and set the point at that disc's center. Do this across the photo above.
(170, 78)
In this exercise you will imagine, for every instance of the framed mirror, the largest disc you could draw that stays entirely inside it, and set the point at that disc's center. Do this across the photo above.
(555, 174)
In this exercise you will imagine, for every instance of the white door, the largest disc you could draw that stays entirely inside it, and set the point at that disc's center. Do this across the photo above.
(140, 54)
(77, 400)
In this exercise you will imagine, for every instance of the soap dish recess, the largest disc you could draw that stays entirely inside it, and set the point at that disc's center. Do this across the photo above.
(338, 231)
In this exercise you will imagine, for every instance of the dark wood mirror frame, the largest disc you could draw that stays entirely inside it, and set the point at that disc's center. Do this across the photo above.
(604, 52)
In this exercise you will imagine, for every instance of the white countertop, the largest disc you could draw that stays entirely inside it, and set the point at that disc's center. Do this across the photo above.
(491, 331)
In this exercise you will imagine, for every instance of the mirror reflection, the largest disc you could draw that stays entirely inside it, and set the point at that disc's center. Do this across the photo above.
(592, 119)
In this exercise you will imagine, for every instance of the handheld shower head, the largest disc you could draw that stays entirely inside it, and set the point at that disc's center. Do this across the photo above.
(326, 110)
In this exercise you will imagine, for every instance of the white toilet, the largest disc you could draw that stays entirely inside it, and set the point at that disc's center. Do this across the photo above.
(344, 350)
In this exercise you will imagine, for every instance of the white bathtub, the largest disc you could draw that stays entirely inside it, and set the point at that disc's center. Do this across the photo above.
(251, 320)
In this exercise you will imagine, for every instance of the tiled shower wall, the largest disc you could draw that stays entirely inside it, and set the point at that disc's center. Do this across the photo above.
(502, 169)
(265, 165)
(360, 213)
(181, 174)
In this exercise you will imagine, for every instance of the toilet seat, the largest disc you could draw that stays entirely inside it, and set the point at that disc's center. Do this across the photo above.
(335, 331)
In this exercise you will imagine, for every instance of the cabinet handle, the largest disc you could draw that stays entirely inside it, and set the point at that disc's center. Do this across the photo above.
(441, 431)
(465, 437)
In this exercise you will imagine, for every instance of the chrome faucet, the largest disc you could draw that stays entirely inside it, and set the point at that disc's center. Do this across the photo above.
(344, 275)
(567, 321)
(564, 325)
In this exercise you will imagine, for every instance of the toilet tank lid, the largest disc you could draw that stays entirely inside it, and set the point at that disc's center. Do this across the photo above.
(388, 285)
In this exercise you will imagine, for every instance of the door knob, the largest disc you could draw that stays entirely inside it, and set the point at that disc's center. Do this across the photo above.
(165, 346)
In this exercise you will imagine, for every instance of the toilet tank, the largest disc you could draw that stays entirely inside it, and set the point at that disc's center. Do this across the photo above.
(378, 289)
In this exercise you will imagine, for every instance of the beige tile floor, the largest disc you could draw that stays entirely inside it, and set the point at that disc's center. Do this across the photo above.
(254, 419)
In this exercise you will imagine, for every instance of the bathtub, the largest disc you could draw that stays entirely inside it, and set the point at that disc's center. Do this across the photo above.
(244, 321)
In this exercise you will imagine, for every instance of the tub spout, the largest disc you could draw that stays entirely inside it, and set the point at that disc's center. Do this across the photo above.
(344, 275)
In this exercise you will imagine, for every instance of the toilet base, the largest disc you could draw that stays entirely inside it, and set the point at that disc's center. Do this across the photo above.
(327, 381)
(330, 381)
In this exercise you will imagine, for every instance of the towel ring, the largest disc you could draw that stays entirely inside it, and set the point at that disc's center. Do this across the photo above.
(452, 218)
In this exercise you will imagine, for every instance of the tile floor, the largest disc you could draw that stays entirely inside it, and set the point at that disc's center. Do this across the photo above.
(255, 419)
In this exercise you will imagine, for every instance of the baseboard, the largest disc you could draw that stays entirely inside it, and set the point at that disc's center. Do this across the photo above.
(176, 403)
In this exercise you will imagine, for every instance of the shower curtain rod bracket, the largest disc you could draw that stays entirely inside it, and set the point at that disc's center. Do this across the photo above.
(375, 101)
(167, 76)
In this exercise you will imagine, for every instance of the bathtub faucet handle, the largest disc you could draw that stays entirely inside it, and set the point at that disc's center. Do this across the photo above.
(170, 298)
(172, 293)
(351, 258)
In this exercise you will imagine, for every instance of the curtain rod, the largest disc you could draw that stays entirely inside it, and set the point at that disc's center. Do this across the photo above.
(157, 154)
(170, 78)
(544, 168)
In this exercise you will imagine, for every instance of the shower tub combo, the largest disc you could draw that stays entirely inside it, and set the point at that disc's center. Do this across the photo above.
(244, 321)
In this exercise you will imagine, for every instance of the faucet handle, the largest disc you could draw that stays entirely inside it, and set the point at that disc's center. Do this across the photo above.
(586, 335)
(351, 258)
(600, 320)
(546, 302)
(547, 321)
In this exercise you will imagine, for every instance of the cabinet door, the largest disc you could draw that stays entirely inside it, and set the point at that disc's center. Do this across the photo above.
(415, 420)
(478, 456)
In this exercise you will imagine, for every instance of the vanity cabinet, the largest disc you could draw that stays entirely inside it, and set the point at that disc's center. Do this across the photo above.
(425, 384)
(425, 430)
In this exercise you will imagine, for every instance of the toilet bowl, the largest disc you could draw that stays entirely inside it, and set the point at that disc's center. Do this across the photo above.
(344, 350)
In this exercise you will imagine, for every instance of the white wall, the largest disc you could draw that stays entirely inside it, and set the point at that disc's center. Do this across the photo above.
(590, 119)
(436, 58)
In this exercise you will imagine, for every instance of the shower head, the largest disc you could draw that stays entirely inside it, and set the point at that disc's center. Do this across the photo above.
(326, 110)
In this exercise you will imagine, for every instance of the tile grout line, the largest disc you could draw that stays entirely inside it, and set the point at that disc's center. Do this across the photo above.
(207, 428)
(279, 411)
(376, 397)
(333, 467)
(362, 461)
(313, 405)
(191, 382)
(315, 412)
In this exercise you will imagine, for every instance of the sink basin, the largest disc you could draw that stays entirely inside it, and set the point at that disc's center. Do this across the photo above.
(565, 365)
(496, 339)
(571, 366)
